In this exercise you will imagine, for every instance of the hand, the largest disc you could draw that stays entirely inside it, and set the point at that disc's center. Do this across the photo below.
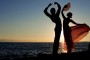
(55, 3)
(50, 4)
(65, 6)
(78, 24)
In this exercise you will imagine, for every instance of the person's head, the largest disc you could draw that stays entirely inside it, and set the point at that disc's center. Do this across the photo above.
(69, 14)
(52, 11)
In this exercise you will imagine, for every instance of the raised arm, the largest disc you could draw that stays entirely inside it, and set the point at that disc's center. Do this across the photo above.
(45, 11)
(63, 13)
(59, 8)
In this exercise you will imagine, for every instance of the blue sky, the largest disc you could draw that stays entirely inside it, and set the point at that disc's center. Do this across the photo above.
(24, 20)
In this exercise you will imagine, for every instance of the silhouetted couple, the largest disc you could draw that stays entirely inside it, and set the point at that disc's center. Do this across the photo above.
(54, 16)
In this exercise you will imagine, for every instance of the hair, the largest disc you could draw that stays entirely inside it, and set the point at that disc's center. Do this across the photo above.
(69, 14)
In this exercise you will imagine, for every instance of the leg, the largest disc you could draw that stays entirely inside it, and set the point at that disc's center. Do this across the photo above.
(56, 42)
(69, 43)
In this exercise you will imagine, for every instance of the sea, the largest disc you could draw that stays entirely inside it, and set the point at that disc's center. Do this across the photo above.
(28, 49)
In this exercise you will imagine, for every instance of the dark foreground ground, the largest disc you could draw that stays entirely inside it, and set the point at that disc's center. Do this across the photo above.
(85, 55)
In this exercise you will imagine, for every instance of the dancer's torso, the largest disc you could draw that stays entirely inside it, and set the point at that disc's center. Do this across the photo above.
(57, 21)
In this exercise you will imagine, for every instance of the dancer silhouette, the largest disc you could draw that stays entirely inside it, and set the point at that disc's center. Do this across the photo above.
(54, 16)
(67, 30)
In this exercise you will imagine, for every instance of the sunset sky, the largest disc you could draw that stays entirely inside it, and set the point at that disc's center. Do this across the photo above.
(25, 21)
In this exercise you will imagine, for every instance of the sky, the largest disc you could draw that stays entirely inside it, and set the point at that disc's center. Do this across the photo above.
(25, 21)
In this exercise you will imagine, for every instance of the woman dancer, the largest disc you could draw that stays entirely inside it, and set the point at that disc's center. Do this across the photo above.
(67, 30)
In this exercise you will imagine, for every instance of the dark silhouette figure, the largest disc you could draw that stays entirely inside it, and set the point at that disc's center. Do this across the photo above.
(54, 16)
(89, 47)
(67, 30)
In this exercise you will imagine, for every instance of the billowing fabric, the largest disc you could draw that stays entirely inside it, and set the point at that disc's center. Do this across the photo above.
(68, 5)
(78, 33)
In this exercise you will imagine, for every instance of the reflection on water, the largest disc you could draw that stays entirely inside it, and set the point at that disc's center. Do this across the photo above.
(33, 49)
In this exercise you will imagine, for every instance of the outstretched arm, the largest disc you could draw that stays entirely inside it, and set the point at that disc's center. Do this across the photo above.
(45, 11)
(63, 13)
(74, 22)
(59, 8)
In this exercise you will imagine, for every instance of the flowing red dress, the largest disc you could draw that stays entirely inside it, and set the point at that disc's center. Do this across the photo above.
(78, 33)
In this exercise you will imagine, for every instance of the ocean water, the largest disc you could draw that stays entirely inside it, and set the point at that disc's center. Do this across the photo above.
(32, 49)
